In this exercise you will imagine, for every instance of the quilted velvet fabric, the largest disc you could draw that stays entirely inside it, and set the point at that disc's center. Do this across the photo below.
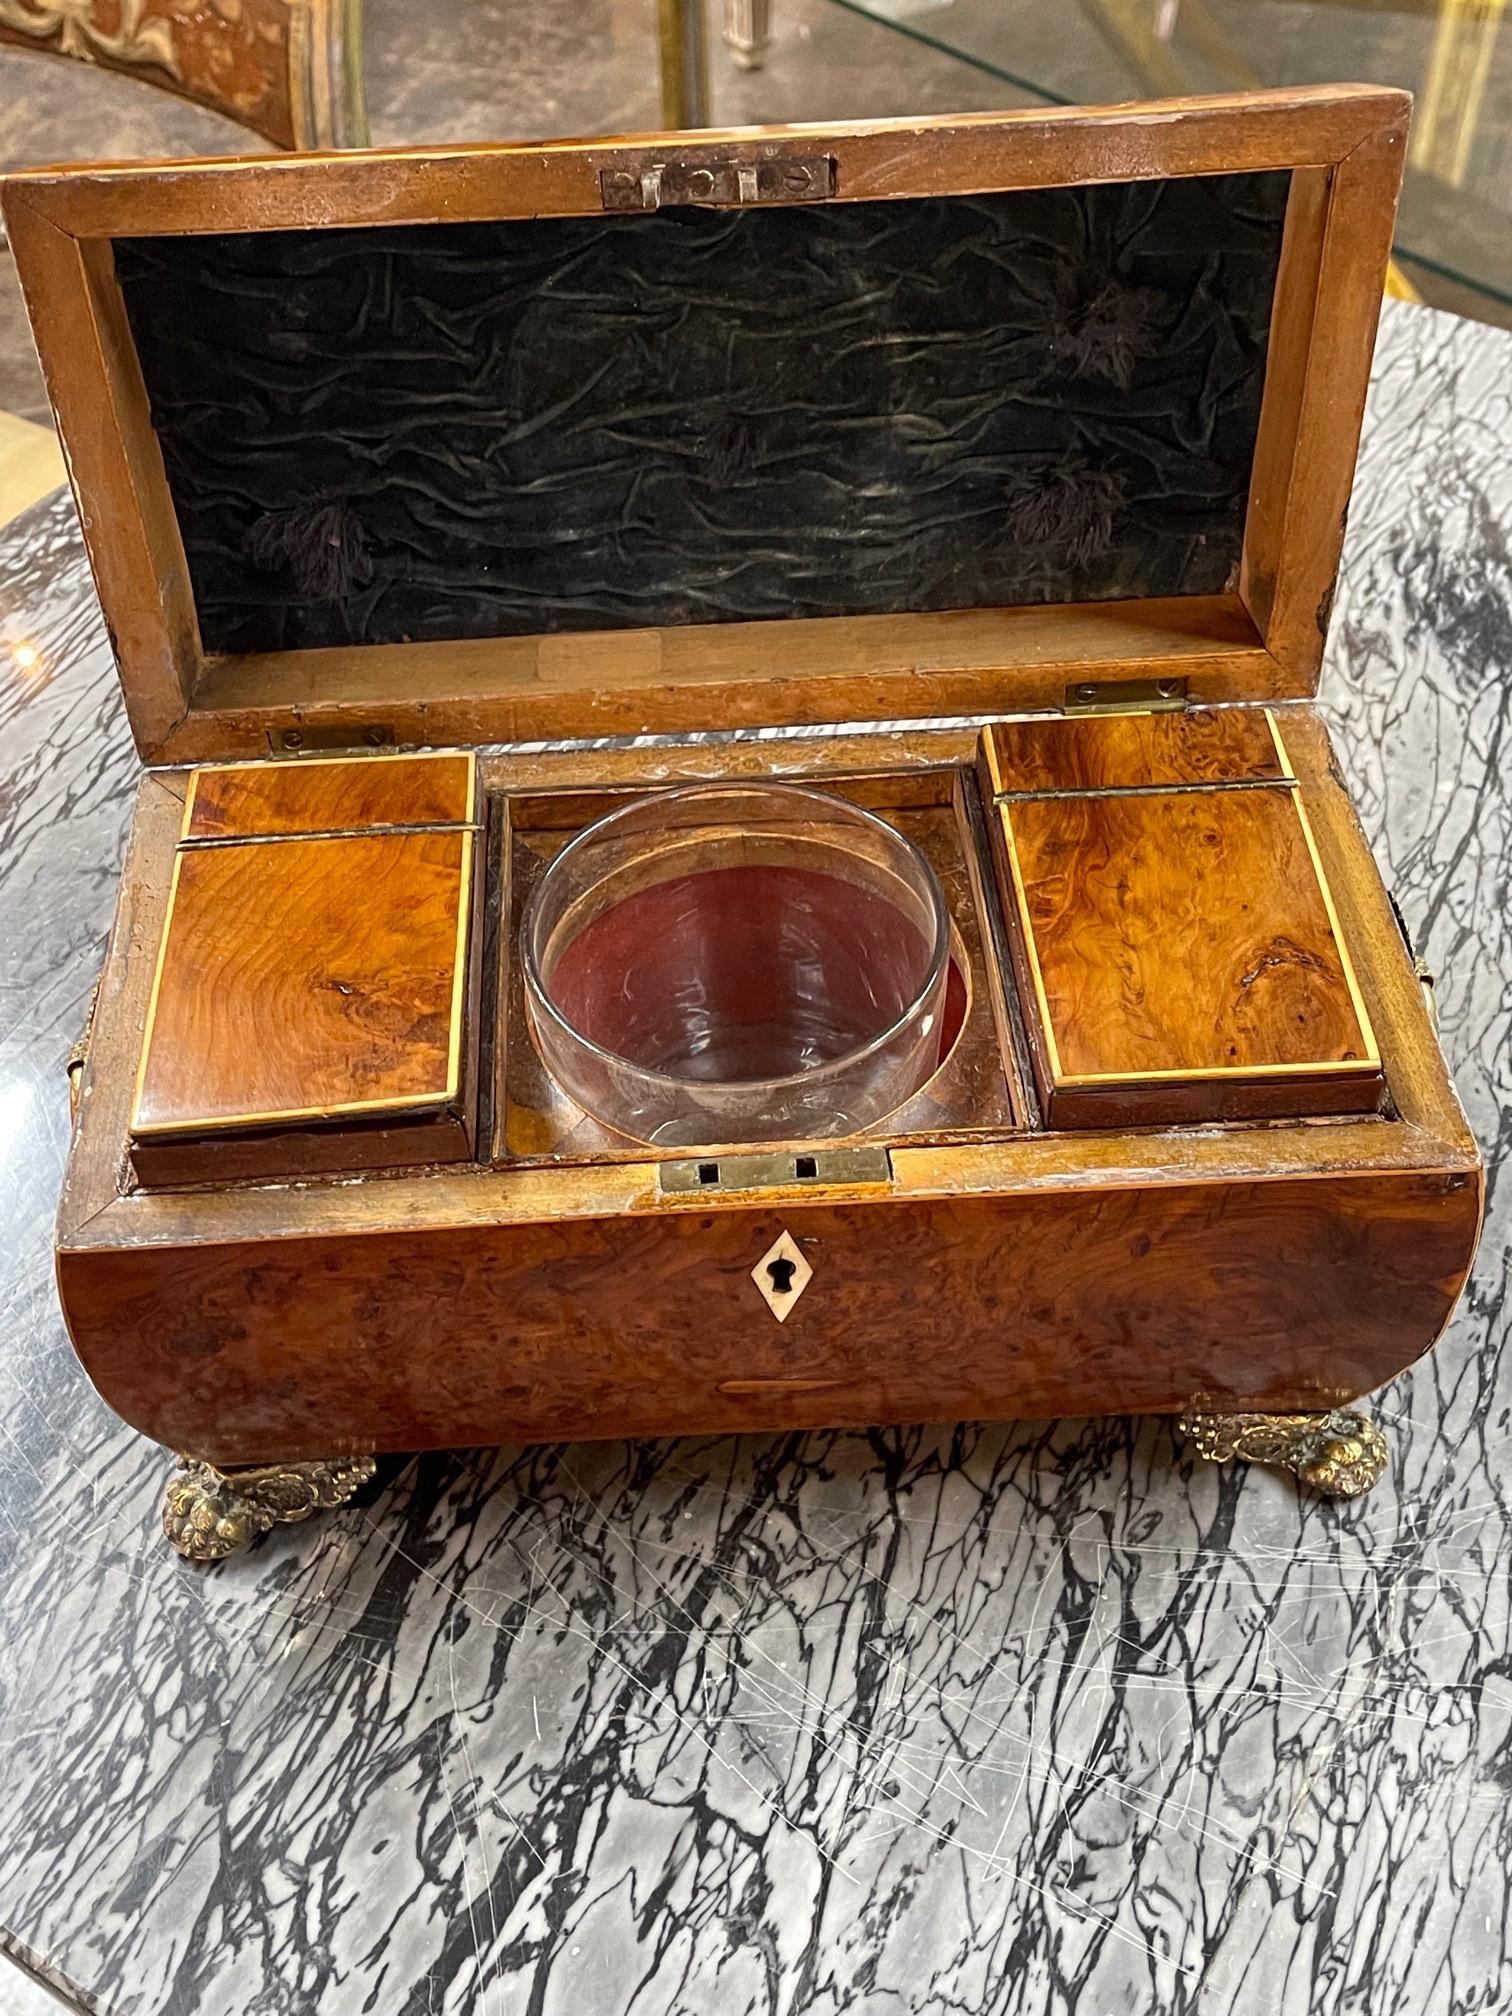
(705, 416)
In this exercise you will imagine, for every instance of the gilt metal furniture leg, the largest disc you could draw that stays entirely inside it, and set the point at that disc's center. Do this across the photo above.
(1340, 1453)
(684, 51)
(210, 1513)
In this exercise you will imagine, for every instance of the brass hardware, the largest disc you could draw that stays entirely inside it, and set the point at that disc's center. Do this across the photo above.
(78, 1056)
(683, 47)
(709, 1175)
(1427, 979)
(1125, 696)
(787, 179)
(308, 741)
(209, 1514)
(1341, 1453)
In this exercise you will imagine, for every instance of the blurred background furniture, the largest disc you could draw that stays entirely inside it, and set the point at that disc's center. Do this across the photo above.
(499, 69)
(288, 70)
(286, 73)
(748, 32)
(1454, 235)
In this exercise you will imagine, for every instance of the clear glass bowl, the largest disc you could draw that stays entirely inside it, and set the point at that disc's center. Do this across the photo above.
(719, 964)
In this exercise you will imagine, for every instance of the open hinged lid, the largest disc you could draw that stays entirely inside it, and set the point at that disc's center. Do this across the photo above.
(793, 425)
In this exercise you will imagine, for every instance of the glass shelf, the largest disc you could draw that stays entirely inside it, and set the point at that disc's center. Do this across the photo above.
(1454, 236)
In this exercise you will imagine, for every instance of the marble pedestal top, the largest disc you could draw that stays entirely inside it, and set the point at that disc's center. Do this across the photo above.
(1033, 1718)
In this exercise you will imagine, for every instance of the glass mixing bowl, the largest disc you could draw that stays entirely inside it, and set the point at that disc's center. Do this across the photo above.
(719, 964)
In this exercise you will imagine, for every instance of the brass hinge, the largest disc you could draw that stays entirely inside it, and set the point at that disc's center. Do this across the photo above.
(307, 741)
(1125, 696)
(710, 1174)
(788, 179)
(1423, 973)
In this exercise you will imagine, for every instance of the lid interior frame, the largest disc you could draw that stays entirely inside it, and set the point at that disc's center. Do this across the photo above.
(1343, 145)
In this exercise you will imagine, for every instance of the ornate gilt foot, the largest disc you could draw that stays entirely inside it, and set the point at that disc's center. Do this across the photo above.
(1340, 1453)
(210, 1513)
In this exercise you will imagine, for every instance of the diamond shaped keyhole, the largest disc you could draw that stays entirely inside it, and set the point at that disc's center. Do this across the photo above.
(782, 1272)
(781, 1275)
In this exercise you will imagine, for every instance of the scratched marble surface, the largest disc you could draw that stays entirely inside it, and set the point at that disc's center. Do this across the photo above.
(1031, 1718)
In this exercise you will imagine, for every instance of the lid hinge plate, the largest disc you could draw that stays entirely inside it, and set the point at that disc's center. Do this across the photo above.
(1125, 696)
(808, 178)
(307, 741)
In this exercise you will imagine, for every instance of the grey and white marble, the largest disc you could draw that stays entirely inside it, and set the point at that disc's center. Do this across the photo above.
(1031, 1719)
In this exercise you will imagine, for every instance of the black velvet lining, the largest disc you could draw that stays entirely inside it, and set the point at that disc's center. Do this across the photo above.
(702, 416)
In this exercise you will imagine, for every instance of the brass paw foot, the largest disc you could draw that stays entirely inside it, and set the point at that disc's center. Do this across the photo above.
(1340, 1453)
(210, 1513)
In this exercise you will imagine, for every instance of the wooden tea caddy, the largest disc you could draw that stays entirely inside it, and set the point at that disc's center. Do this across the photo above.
(1028, 419)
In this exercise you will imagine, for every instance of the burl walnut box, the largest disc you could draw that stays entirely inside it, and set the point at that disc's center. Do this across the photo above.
(415, 483)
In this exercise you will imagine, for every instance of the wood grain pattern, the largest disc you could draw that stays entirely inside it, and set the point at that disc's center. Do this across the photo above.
(1169, 937)
(1429, 1131)
(1328, 301)
(815, 670)
(1297, 126)
(308, 978)
(115, 469)
(1291, 1265)
(335, 795)
(1102, 752)
(530, 687)
(1288, 360)
(1291, 1294)
(340, 1147)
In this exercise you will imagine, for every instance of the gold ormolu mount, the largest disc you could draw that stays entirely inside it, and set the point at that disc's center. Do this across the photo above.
(1340, 1454)
(210, 1513)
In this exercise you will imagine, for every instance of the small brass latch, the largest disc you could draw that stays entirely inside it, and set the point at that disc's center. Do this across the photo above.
(711, 1174)
(310, 741)
(1424, 974)
(787, 179)
(1125, 696)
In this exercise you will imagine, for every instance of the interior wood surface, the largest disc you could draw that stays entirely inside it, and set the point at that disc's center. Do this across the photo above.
(1334, 260)
(813, 671)
(313, 794)
(307, 977)
(1429, 1130)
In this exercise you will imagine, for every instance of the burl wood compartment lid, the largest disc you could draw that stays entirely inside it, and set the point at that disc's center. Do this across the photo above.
(313, 966)
(1175, 942)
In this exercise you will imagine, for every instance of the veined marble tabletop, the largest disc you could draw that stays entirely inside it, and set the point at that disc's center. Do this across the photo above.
(1042, 1718)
